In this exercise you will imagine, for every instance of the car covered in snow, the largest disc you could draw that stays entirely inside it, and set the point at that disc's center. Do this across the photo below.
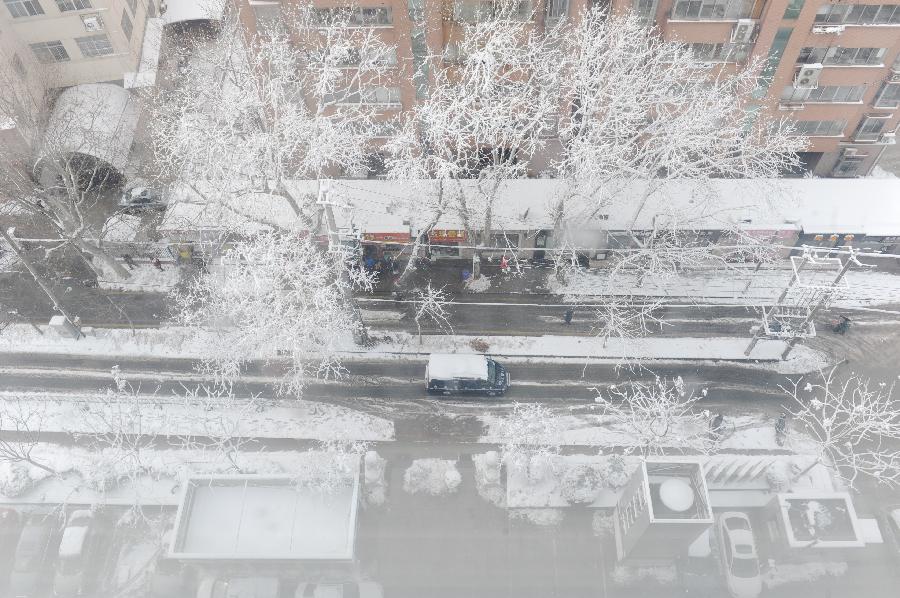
(350, 589)
(139, 198)
(80, 552)
(737, 549)
(35, 553)
(465, 373)
(241, 587)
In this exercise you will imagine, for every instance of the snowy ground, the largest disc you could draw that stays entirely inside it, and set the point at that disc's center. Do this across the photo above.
(740, 285)
(144, 278)
(174, 416)
(180, 342)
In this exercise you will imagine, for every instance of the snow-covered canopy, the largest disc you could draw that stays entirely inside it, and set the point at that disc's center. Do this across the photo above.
(252, 517)
(179, 11)
(95, 119)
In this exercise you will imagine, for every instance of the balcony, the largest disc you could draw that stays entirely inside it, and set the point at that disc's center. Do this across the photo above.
(711, 10)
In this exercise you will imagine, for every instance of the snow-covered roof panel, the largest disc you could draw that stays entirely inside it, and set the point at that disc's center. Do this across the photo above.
(178, 11)
(72, 541)
(94, 119)
(446, 366)
(254, 517)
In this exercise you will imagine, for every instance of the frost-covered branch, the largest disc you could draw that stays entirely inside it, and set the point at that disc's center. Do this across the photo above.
(854, 422)
(431, 305)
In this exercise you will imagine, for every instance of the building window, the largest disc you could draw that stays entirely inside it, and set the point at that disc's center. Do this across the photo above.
(67, 5)
(837, 93)
(557, 9)
(848, 165)
(820, 128)
(889, 96)
(703, 10)
(49, 52)
(127, 26)
(355, 16)
(369, 95)
(18, 65)
(474, 11)
(92, 46)
(871, 127)
(859, 14)
(793, 9)
(23, 8)
(721, 52)
(354, 57)
(646, 10)
(842, 56)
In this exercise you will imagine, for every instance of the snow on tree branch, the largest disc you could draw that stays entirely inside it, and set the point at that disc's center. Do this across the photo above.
(431, 306)
(274, 294)
(660, 416)
(854, 422)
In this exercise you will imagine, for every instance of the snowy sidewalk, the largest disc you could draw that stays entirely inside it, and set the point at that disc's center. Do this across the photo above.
(741, 286)
(175, 342)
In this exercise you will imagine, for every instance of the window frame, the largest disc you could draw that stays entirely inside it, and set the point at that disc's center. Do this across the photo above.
(92, 46)
(73, 5)
(23, 9)
(49, 49)
(128, 29)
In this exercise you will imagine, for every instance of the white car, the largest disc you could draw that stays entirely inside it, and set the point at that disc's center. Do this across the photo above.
(738, 552)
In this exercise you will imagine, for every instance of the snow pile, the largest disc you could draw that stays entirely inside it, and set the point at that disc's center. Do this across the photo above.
(543, 517)
(488, 481)
(479, 284)
(434, 477)
(802, 573)
(633, 575)
(581, 483)
(880, 173)
(373, 475)
(152, 473)
(99, 413)
(142, 279)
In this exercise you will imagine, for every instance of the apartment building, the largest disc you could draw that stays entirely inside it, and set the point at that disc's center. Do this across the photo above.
(834, 68)
(54, 44)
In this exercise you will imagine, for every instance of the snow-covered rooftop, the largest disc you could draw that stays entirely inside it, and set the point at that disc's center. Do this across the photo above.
(254, 517)
(445, 366)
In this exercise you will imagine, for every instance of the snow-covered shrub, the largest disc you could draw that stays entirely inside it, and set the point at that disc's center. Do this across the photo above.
(431, 476)
(616, 472)
(580, 484)
(478, 285)
(632, 575)
(802, 573)
(14, 479)
(545, 517)
(479, 345)
(778, 476)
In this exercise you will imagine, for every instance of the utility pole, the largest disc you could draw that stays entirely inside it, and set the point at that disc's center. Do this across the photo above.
(851, 259)
(334, 246)
(9, 235)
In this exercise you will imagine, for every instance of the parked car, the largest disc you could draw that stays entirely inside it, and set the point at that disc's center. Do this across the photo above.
(350, 589)
(890, 530)
(461, 373)
(172, 579)
(35, 553)
(80, 552)
(10, 528)
(739, 557)
(140, 198)
(241, 587)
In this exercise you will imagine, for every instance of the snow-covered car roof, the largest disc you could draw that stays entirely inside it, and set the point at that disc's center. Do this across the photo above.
(72, 540)
(445, 366)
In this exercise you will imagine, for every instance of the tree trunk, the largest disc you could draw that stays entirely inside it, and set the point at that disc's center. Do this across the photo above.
(98, 253)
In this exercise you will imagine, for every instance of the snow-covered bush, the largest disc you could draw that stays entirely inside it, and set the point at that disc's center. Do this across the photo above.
(616, 472)
(14, 479)
(432, 476)
(802, 573)
(581, 483)
(778, 476)
(632, 575)
(544, 517)
(487, 478)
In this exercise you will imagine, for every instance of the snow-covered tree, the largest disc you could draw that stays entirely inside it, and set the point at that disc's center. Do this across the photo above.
(274, 294)
(530, 436)
(854, 422)
(431, 305)
(247, 113)
(21, 427)
(657, 416)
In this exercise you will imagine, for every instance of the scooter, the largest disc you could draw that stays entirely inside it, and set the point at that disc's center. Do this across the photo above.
(781, 429)
(840, 325)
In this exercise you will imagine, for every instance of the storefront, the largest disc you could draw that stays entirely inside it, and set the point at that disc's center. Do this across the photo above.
(446, 242)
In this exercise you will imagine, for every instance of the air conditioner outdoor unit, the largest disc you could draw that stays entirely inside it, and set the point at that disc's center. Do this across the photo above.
(744, 31)
(888, 139)
(849, 152)
(833, 29)
(808, 76)
(894, 77)
(92, 23)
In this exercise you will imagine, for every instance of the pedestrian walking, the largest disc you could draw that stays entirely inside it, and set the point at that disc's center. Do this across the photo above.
(129, 261)
(568, 315)
(157, 264)
(504, 264)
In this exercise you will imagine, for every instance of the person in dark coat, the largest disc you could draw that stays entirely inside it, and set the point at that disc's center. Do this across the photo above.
(568, 315)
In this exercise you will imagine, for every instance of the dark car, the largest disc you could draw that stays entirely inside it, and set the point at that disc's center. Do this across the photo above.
(10, 528)
(172, 579)
(465, 373)
(35, 553)
(138, 199)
